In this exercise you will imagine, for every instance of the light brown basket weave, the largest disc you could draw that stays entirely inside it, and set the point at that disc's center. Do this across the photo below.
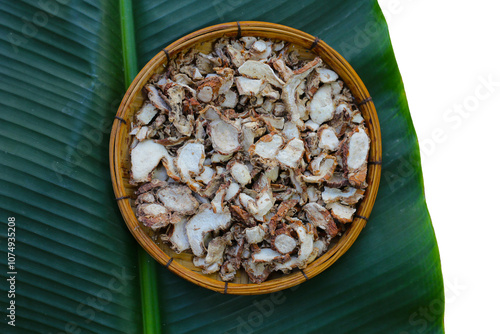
(181, 264)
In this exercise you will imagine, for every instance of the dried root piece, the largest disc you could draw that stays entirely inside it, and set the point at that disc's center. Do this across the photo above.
(258, 70)
(321, 218)
(178, 238)
(290, 88)
(355, 155)
(291, 154)
(257, 272)
(145, 157)
(342, 213)
(182, 123)
(189, 163)
(178, 199)
(153, 215)
(225, 137)
(348, 196)
(283, 210)
(146, 114)
(203, 222)
(268, 255)
(306, 237)
(283, 242)
(267, 148)
(255, 235)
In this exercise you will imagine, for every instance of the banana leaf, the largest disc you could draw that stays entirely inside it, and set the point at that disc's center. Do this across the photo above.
(66, 64)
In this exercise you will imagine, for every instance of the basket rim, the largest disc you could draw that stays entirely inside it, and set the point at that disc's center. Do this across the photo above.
(249, 28)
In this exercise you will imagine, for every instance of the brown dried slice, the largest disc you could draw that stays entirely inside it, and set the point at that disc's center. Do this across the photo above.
(306, 238)
(211, 113)
(207, 269)
(205, 63)
(257, 272)
(342, 213)
(228, 270)
(208, 90)
(264, 202)
(206, 176)
(183, 79)
(315, 164)
(227, 76)
(280, 66)
(267, 147)
(273, 122)
(216, 248)
(182, 123)
(189, 163)
(192, 71)
(171, 141)
(169, 164)
(312, 142)
(225, 137)
(144, 159)
(326, 75)
(313, 83)
(145, 198)
(355, 156)
(299, 185)
(250, 130)
(150, 186)
(156, 99)
(239, 214)
(348, 196)
(283, 209)
(290, 88)
(146, 114)
(203, 222)
(240, 173)
(211, 187)
(178, 198)
(232, 191)
(291, 154)
(268, 255)
(218, 200)
(271, 94)
(236, 56)
(256, 234)
(322, 108)
(154, 216)
(228, 99)
(283, 241)
(178, 238)
(327, 138)
(324, 172)
(258, 70)
(337, 180)
(321, 218)
(290, 130)
(250, 87)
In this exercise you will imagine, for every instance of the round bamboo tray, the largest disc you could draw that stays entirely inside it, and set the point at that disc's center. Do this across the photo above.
(181, 264)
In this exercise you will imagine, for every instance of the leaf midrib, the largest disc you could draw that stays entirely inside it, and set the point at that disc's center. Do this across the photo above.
(147, 267)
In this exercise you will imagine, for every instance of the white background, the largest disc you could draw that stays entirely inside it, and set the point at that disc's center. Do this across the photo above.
(446, 51)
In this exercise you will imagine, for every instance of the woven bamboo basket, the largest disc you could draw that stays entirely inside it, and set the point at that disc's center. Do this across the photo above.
(181, 264)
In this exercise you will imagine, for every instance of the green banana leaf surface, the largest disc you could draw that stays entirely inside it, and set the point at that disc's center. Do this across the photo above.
(65, 65)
